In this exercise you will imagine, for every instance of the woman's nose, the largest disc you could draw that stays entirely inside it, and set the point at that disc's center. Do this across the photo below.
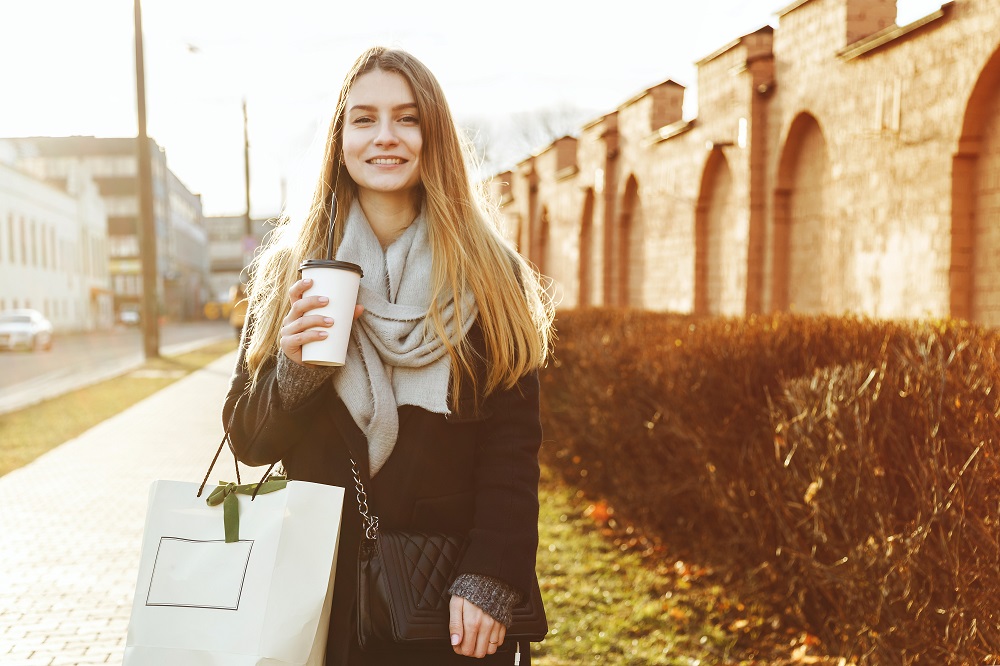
(386, 136)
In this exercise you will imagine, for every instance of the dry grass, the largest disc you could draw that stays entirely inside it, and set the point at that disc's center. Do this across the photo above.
(844, 471)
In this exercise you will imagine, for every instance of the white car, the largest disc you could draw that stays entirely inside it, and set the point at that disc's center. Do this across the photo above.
(25, 328)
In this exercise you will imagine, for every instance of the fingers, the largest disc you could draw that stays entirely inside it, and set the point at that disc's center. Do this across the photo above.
(296, 291)
(496, 637)
(358, 309)
(455, 627)
(301, 331)
(473, 632)
(301, 304)
(299, 328)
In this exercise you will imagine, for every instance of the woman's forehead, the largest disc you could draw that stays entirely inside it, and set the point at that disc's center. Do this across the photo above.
(378, 88)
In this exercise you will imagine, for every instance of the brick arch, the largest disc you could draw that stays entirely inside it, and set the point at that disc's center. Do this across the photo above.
(975, 225)
(719, 280)
(585, 276)
(630, 255)
(798, 279)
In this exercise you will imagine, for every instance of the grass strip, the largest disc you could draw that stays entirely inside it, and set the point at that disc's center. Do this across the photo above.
(611, 603)
(27, 433)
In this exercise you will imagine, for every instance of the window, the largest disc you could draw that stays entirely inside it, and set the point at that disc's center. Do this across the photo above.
(121, 205)
(112, 165)
(10, 237)
(43, 245)
(24, 242)
(34, 243)
(124, 246)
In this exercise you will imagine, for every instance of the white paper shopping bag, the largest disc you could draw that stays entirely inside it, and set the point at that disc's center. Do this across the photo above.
(263, 599)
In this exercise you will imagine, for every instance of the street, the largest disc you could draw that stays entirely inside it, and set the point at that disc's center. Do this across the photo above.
(80, 359)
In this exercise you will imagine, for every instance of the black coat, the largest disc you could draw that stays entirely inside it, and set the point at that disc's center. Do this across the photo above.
(474, 473)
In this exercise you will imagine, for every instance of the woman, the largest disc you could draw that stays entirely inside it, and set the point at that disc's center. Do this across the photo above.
(438, 398)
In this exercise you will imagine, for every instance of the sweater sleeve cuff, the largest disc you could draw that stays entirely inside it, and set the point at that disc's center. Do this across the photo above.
(297, 382)
(494, 596)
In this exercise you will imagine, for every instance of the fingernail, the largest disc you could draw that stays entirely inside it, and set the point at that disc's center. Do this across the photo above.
(328, 321)
(455, 639)
(307, 281)
(324, 299)
(323, 334)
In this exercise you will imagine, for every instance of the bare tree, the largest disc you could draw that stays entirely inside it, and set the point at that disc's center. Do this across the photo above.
(501, 142)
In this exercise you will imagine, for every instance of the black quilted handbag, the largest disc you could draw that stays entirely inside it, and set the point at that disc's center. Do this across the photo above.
(403, 581)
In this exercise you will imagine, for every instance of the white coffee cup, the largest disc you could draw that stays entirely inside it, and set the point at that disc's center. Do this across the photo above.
(339, 281)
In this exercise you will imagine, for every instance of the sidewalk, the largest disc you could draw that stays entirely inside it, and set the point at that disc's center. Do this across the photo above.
(71, 522)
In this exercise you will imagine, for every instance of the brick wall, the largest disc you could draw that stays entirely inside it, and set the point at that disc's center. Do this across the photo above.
(839, 163)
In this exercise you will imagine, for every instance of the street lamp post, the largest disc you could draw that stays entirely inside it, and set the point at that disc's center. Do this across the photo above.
(147, 223)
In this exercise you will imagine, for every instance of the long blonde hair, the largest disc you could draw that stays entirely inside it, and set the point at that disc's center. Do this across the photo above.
(468, 250)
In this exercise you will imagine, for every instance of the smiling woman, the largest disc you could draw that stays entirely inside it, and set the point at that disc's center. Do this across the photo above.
(437, 400)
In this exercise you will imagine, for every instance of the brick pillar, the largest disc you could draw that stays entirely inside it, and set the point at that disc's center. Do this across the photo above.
(762, 77)
(610, 214)
(668, 103)
(534, 213)
(866, 17)
(586, 250)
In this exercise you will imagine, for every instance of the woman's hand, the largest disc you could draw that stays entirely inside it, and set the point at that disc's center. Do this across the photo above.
(473, 632)
(298, 328)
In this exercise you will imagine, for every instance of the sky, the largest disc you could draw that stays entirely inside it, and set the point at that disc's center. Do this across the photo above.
(68, 68)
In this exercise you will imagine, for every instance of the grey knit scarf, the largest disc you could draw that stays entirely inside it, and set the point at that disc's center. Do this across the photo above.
(390, 360)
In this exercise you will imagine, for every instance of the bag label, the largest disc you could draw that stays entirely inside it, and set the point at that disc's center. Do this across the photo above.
(199, 574)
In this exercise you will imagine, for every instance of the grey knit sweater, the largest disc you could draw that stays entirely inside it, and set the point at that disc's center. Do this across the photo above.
(295, 384)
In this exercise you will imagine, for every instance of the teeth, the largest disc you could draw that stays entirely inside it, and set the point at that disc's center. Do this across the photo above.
(386, 160)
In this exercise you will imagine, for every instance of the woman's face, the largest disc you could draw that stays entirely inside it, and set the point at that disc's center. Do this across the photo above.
(382, 139)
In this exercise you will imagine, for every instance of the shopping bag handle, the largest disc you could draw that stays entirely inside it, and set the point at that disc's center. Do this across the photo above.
(227, 439)
(225, 494)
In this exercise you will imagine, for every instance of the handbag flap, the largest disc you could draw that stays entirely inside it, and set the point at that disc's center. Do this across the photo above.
(427, 562)
(419, 568)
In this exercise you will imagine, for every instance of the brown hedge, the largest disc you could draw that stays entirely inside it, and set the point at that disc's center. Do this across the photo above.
(849, 465)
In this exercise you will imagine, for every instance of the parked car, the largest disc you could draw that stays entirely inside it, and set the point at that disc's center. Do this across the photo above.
(129, 317)
(28, 329)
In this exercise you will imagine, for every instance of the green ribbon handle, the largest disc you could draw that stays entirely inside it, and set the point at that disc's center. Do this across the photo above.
(225, 494)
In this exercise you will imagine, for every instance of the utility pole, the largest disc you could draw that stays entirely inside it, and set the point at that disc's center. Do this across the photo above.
(249, 241)
(246, 165)
(146, 224)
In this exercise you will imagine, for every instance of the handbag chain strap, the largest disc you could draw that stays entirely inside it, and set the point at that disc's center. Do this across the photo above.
(370, 522)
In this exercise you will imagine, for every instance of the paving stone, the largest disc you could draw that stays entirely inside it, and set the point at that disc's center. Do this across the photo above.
(72, 522)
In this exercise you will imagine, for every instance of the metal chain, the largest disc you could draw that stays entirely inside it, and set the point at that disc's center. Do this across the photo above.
(370, 522)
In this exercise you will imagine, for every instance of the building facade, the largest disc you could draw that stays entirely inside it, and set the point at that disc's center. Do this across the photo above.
(181, 240)
(185, 262)
(839, 163)
(53, 249)
(231, 249)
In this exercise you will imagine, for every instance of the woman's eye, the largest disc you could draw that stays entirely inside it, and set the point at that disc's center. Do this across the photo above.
(411, 120)
(363, 120)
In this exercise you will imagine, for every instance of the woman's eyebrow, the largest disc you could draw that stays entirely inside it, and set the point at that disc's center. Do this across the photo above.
(369, 107)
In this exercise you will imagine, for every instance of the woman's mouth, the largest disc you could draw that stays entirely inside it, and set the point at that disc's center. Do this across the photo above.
(386, 161)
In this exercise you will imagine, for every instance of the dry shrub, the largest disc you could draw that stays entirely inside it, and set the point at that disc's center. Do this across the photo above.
(848, 465)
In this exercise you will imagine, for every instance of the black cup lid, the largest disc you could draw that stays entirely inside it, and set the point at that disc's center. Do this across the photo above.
(331, 263)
